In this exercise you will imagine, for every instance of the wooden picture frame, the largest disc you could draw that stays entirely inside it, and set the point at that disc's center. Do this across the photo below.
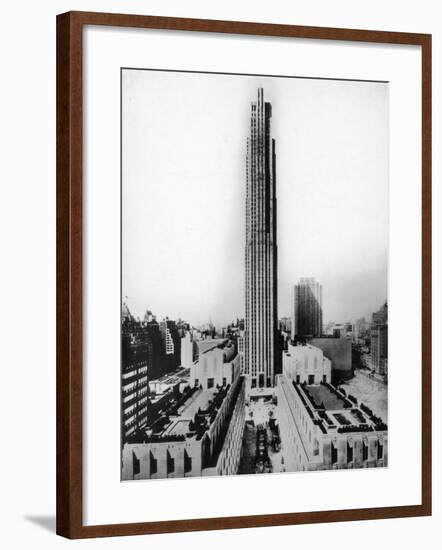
(70, 272)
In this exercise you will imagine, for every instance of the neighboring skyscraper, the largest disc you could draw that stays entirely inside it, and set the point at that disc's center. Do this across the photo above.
(171, 343)
(307, 308)
(134, 375)
(261, 321)
(380, 317)
(379, 340)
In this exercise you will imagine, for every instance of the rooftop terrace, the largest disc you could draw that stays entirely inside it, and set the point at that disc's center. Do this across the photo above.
(207, 345)
(200, 401)
(323, 395)
(332, 409)
(172, 377)
(179, 427)
(183, 415)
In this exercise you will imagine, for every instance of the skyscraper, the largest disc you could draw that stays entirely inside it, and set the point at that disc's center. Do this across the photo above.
(379, 340)
(307, 308)
(171, 344)
(261, 249)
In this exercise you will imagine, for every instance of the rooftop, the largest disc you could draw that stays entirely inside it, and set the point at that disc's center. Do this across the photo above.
(200, 401)
(171, 377)
(179, 427)
(332, 409)
(184, 415)
(323, 395)
(207, 345)
(221, 347)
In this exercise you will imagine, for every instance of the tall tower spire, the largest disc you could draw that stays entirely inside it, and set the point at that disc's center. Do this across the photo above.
(261, 248)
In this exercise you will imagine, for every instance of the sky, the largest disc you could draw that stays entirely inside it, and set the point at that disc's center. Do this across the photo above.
(183, 192)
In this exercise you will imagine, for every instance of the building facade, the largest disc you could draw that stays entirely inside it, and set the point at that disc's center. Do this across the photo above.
(189, 350)
(217, 366)
(306, 363)
(323, 429)
(199, 434)
(379, 341)
(285, 325)
(171, 344)
(134, 385)
(241, 345)
(261, 320)
(307, 309)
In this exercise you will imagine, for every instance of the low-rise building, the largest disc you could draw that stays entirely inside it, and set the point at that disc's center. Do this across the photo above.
(324, 429)
(205, 343)
(216, 366)
(175, 381)
(306, 363)
(198, 432)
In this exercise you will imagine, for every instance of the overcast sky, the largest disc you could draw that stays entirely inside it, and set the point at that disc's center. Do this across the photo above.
(183, 190)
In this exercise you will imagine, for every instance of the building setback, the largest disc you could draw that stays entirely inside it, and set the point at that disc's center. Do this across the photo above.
(261, 249)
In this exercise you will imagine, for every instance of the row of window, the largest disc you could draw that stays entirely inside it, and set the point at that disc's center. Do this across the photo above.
(133, 419)
(153, 464)
(140, 384)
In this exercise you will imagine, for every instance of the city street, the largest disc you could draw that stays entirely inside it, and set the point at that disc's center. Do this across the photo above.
(258, 413)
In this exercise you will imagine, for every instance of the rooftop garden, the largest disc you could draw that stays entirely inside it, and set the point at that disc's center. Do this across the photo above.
(324, 416)
(377, 421)
(359, 416)
(354, 428)
(142, 437)
(325, 396)
(177, 404)
(343, 420)
(205, 417)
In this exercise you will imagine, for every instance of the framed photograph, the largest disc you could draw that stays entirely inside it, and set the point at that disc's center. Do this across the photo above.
(243, 274)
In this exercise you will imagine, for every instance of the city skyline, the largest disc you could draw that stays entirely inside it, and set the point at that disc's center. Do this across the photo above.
(248, 399)
(139, 314)
(201, 244)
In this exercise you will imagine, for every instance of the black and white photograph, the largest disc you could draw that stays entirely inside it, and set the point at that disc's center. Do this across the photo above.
(219, 250)
(254, 274)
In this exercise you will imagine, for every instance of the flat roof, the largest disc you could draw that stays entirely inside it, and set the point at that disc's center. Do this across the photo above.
(179, 427)
(207, 345)
(187, 411)
(321, 394)
(200, 400)
(325, 406)
(173, 376)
